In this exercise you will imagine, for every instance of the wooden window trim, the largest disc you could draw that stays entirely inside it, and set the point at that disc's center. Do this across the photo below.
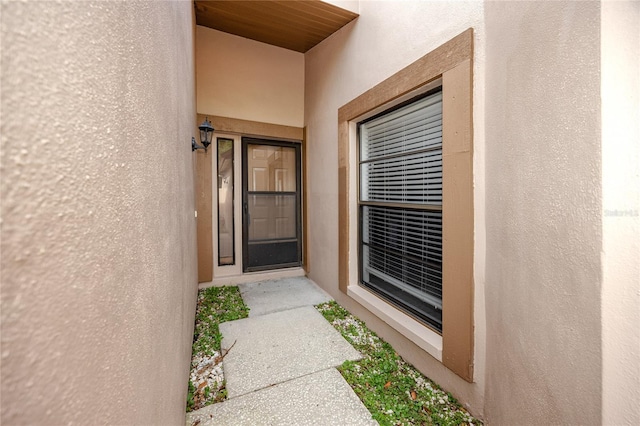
(255, 128)
(453, 62)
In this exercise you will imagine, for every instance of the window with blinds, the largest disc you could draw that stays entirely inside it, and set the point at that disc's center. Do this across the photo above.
(400, 205)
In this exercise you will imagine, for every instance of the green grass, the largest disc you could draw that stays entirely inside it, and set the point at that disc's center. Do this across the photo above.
(215, 305)
(394, 391)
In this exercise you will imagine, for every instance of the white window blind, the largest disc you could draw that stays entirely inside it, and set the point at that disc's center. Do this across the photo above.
(401, 207)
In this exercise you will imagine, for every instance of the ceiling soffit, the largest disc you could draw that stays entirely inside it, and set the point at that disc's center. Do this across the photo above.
(295, 25)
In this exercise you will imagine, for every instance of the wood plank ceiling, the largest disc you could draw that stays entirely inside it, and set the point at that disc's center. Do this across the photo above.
(295, 25)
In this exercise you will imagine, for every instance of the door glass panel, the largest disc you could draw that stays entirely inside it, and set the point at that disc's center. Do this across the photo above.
(226, 248)
(272, 217)
(272, 168)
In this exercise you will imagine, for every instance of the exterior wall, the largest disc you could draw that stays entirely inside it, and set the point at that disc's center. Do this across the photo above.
(350, 5)
(98, 230)
(544, 213)
(245, 79)
(620, 46)
(383, 40)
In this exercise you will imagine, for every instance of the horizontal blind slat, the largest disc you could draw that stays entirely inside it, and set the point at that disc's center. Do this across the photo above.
(402, 130)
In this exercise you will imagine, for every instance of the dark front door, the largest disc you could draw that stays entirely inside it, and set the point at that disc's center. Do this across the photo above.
(271, 204)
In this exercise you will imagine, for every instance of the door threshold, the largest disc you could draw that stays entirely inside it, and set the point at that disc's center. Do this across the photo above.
(250, 277)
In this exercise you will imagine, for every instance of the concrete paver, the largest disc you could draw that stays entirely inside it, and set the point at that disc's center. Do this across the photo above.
(321, 398)
(281, 346)
(265, 297)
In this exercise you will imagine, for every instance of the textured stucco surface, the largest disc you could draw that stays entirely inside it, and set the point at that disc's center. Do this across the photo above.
(544, 234)
(98, 231)
(621, 207)
(383, 40)
(242, 78)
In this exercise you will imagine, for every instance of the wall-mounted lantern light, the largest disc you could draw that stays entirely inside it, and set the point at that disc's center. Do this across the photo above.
(206, 133)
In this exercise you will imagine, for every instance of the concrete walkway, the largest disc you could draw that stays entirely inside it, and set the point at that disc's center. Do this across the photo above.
(280, 369)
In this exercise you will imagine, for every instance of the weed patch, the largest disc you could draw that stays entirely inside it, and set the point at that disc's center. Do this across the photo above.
(394, 391)
(215, 305)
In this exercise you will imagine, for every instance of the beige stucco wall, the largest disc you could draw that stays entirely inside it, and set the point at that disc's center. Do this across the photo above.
(350, 5)
(98, 231)
(544, 213)
(245, 79)
(384, 39)
(620, 47)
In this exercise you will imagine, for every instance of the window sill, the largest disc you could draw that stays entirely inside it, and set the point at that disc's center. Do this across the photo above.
(421, 335)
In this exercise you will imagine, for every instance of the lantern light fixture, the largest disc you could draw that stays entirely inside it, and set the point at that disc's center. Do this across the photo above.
(206, 133)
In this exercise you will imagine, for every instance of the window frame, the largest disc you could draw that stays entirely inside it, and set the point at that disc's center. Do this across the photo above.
(452, 62)
(233, 200)
(401, 304)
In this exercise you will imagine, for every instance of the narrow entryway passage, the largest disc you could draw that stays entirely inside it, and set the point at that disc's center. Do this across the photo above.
(281, 368)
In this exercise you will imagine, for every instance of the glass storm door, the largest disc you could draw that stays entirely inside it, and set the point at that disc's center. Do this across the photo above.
(271, 205)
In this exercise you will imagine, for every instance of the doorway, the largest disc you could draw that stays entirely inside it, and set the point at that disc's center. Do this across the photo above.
(271, 200)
